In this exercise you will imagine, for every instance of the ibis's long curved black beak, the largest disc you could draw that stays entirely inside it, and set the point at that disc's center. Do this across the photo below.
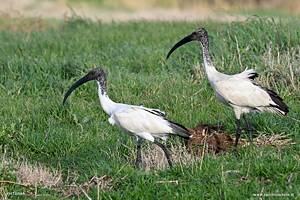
(77, 84)
(185, 40)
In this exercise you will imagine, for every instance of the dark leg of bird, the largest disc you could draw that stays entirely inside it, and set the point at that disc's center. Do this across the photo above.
(249, 127)
(163, 147)
(238, 132)
(138, 156)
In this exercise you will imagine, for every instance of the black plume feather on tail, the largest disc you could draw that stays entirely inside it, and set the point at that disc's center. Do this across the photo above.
(283, 109)
(180, 130)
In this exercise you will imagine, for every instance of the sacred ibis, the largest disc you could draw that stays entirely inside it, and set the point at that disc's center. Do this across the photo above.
(138, 121)
(238, 91)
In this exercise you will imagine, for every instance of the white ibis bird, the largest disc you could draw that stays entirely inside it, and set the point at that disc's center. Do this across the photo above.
(238, 91)
(138, 121)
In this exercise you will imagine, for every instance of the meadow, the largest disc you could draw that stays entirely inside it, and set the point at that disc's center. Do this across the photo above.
(83, 156)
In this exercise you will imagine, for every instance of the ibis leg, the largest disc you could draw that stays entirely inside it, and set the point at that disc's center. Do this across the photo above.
(238, 132)
(138, 156)
(248, 127)
(163, 147)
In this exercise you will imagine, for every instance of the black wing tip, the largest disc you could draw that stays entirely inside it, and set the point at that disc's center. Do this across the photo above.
(285, 109)
(180, 130)
(281, 111)
(253, 75)
(156, 112)
(280, 105)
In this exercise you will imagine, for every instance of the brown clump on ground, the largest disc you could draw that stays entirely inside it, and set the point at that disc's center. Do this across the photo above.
(216, 141)
(211, 138)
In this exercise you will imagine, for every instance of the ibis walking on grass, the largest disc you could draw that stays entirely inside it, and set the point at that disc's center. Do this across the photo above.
(238, 91)
(138, 121)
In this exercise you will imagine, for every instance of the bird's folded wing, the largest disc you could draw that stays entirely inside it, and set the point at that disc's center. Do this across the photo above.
(242, 92)
(138, 119)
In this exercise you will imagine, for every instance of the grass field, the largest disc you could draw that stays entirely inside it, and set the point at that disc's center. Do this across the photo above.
(71, 144)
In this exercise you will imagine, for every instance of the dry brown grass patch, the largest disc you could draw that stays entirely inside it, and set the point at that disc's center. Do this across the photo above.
(34, 175)
(39, 176)
(28, 175)
(153, 157)
(15, 21)
(102, 184)
(275, 140)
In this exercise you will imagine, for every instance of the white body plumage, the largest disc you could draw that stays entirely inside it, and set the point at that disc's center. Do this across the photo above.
(238, 91)
(138, 121)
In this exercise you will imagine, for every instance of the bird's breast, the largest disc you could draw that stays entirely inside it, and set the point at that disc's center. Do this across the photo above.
(221, 99)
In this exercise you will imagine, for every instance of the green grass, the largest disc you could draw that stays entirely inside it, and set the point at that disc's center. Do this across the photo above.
(37, 67)
(276, 13)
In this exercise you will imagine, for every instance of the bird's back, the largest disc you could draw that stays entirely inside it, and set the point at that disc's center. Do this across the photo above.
(137, 119)
(242, 91)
